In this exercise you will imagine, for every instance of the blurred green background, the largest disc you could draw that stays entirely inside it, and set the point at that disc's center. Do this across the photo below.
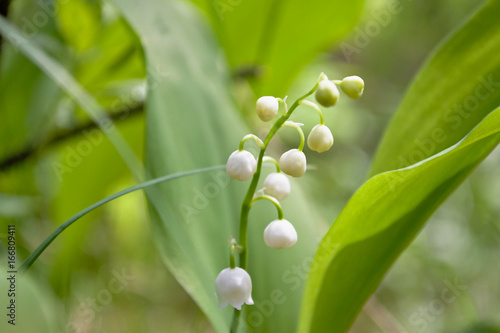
(54, 163)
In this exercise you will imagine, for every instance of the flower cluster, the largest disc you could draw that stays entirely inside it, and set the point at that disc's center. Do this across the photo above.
(233, 285)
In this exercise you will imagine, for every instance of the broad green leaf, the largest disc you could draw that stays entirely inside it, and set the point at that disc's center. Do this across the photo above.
(79, 22)
(111, 62)
(33, 296)
(191, 123)
(279, 37)
(457, 87)
(480, 328)
(378, 223)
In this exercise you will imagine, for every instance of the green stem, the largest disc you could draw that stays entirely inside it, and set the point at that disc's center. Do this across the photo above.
(314, 106)
(232, 262)
(273, 200)
(236, 317)
(250, 136)
(270, 159)
(283, 103)
(301, 133)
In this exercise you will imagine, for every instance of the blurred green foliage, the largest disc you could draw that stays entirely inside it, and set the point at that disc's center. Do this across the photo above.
(95, 43)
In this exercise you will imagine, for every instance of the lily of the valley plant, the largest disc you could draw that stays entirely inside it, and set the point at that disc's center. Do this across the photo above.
(234, 285)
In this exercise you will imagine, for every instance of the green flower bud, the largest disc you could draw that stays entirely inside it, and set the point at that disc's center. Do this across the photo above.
(327, 93)
(353, 86)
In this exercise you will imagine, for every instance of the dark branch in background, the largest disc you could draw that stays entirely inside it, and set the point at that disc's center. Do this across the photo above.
(29, 151)
(4, 9)
(248, 71)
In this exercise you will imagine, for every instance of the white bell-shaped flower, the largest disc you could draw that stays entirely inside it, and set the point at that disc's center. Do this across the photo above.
(327, 93)
(353, 86)
(320, 139)
(280, 234)
(233, 286)
(267, 107)
(293, 163)
(277, 185)
(241, 165)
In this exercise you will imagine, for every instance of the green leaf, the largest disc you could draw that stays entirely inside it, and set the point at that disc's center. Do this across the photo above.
(60, 75)
(36, 299)
(280, 36)
(191, 123)
(25, 93)
(79, 22)
(457, 87)
(378, 223)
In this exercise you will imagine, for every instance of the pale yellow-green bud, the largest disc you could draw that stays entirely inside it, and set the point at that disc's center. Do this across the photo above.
(353, 86)
(327, 93)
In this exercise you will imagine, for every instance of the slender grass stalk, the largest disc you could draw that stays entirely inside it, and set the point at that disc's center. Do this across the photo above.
(39, 250)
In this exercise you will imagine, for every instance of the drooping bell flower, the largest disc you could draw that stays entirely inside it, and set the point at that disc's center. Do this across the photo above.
(233, 286)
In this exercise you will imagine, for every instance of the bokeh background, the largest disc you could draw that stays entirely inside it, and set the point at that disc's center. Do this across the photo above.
(41, 129)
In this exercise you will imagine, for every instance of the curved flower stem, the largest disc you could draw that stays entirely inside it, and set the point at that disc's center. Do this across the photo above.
(301, 133)
(273, 200)
(246, 205)
(270, 159)
(251, 136)
(283, 103)
(314, 106)
(233, 246)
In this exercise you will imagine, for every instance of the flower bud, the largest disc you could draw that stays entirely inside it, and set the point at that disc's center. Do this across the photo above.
(327, 93)
(353, 86)
(280, 234)
(277, 185)
(320, 139)
(267, 107)
(293, 163)
(233, 286)
(241, 165)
